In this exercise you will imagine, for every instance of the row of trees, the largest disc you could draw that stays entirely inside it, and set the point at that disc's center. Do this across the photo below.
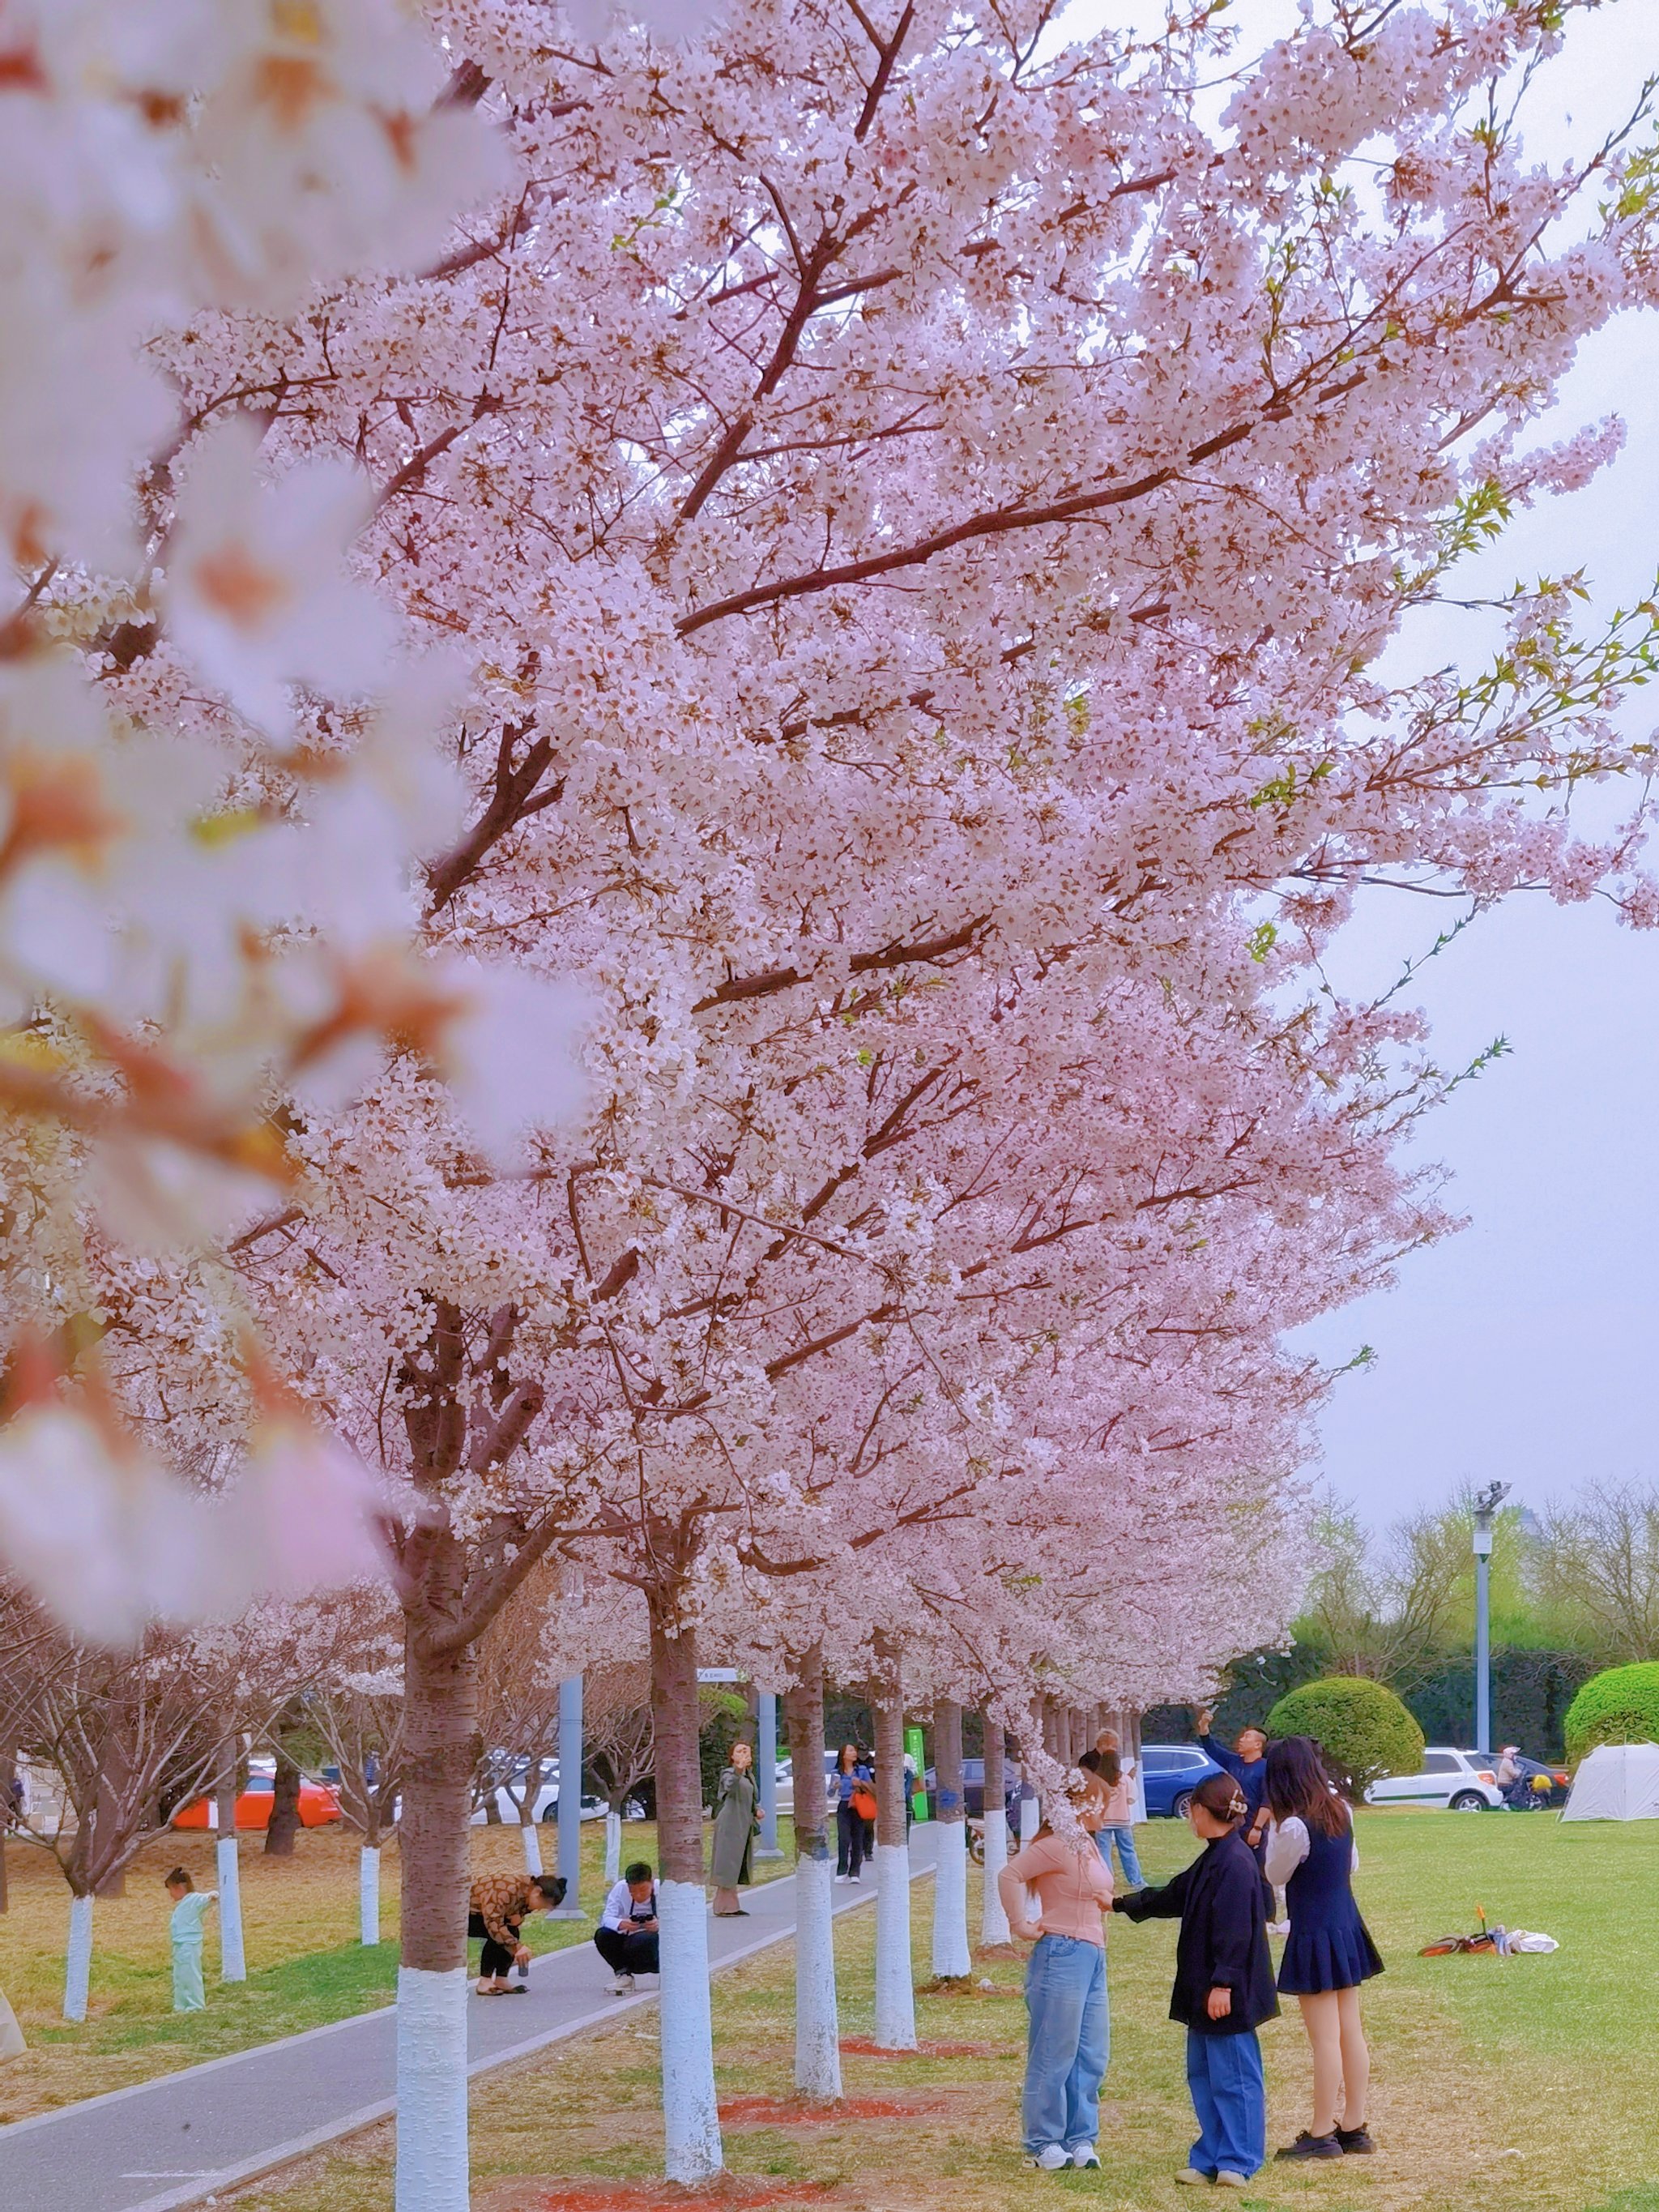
(1581, 1576)
(1575, 1588)
(871, 547)
(113, 1742)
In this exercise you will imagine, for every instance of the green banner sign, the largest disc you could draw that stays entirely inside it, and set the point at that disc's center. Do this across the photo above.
(916, 1744)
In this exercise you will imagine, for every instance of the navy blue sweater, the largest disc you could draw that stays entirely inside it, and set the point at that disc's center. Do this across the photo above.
(1223, 1944)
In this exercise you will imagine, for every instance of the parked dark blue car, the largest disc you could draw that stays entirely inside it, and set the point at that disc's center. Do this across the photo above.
(1171, 1772)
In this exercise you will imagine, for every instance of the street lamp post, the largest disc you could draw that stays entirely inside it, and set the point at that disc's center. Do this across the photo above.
(1486, 1503)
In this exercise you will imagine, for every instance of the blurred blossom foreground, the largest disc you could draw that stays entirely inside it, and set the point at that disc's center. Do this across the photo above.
(209, 923)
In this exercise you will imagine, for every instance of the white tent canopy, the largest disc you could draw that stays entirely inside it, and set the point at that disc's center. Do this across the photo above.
(1617, 1781)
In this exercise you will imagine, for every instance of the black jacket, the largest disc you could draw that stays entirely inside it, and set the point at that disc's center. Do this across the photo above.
(1223, 1944)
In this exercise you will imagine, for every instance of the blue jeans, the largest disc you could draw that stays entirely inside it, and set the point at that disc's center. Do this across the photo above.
(1223, 2073)
(1124, 1837)
(1068, 2040)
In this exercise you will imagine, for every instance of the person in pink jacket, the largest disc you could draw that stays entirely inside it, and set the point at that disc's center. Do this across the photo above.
(1106, 1760)
(1068, 2038)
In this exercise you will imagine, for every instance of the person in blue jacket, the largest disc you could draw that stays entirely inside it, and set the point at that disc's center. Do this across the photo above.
(1247, 1762)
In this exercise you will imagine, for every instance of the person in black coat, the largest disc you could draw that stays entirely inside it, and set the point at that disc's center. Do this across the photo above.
(1223, 1983)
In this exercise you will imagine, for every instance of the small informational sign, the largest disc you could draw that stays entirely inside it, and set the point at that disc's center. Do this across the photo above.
(915, 1743)
(719, 1674)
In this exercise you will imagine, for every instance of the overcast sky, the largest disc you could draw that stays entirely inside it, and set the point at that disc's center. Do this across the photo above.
(1523, 1348)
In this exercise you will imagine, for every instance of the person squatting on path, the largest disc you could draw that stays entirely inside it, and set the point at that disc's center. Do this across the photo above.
(190, 1909)
(1106, 1760)
(852, 1788)
(1068, 2036)
(497, 1908)
(1329, 1951)
(627, 1935)
(1223, 1983)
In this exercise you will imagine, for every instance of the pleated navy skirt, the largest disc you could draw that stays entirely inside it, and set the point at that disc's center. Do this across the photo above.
(1330, 1946)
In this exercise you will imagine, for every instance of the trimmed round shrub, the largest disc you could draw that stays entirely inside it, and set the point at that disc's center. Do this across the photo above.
(1619, 1707)
(1361, 1727)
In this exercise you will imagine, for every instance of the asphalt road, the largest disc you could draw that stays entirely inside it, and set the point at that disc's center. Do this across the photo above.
(179, 2140)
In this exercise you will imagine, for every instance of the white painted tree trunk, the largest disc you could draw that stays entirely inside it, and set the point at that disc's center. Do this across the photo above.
(895, 1996)
(818, 2024)
(613, 1845)
(691, 2131)
(993, 1921)
(951, 1956)
(368, 1894)
(432, 2172)
(531, 1838)
(1030, 1819)
(232, 1958)
(77, 1969)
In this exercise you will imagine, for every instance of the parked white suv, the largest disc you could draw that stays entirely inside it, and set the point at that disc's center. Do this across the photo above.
(1455, 1781)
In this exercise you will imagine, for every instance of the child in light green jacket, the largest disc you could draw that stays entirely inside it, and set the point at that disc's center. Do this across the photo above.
(190, 1910)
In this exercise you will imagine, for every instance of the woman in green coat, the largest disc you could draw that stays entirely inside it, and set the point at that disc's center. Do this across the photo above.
(736, 1817)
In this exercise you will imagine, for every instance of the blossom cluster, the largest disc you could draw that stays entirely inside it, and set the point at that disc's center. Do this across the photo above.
(906, 521)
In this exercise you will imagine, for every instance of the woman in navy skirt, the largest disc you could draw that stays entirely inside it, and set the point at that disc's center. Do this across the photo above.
(1328, 1952)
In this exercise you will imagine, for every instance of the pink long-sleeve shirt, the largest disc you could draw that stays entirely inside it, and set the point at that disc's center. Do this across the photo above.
(1074, 1890)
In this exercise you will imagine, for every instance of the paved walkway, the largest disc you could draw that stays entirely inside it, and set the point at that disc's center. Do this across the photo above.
(179, 2140)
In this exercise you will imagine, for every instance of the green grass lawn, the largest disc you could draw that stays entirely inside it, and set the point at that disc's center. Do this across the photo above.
(305, 1966)
(1530, 2085)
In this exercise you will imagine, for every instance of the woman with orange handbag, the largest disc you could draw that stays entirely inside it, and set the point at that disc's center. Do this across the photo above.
(856, 1804)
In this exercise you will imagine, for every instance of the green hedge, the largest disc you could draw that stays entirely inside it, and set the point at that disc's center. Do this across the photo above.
(1531, 1691)
(1619, 1707)
(1361, 1727)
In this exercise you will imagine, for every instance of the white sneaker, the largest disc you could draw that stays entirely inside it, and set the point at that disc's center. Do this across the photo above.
(1051, 2158)
(622, 1986)
(1192, 2177)
(1226, 2180)
(1084, 2157)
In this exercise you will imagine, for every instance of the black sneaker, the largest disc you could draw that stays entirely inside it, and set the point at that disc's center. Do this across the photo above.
(1356, 2142)
(1307, 2146)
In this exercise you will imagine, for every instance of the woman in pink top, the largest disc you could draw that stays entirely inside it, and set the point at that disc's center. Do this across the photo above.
(1068, 2032)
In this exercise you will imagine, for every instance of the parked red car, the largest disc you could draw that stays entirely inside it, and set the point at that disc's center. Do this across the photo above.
(318, 1805)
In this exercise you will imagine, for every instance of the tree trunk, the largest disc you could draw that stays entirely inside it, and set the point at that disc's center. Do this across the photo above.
(8, 1783)
(441, 1731)
(77, 1969)
(993, 1921)
(529, 1842)
(114, 1787)
(613, 1841)
(1030, 1810)
(368, 1894)
(952, 1961)
(895, 1996)
(817, 2029)
(233, 1957)
(691, 2131)
(285, 1801)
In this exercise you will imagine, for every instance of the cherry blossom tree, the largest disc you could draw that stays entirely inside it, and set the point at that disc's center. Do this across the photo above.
(916, 506)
